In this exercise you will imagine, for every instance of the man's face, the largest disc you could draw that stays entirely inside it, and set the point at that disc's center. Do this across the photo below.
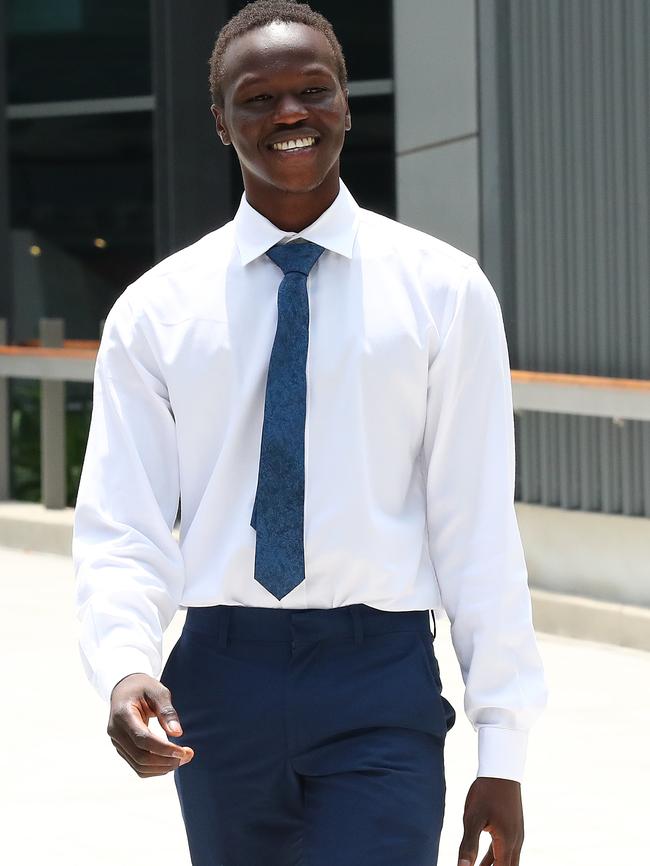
(284, 109)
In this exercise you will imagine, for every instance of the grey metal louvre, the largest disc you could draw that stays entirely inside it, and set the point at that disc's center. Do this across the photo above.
(580, 119)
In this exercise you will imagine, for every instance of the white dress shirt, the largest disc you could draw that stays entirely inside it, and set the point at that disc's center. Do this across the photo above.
(409, 454)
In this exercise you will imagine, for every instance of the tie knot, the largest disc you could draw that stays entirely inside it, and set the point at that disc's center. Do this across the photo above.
(297, 257)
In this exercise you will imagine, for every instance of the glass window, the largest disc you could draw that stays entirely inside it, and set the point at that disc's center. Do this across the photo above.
(82, 221)
(364, 30)
(77, 49)
(368, 158)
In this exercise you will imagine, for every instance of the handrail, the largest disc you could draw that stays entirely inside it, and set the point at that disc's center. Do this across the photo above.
(535, 376)
(47, 364)
(87, 350)
(67, 344)
(48, 352)
(596, 396)
(74, 361)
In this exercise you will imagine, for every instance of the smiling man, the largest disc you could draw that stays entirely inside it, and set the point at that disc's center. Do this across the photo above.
(328, 393)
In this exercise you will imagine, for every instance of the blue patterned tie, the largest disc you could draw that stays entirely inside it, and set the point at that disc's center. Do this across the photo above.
(278, 513)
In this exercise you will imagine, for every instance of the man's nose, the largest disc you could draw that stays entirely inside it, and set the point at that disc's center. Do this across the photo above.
(289, 109)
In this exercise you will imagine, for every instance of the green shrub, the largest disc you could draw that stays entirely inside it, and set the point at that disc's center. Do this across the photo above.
(25, 437)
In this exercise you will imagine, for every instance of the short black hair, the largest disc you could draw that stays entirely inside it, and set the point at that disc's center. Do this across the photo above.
(259, 14)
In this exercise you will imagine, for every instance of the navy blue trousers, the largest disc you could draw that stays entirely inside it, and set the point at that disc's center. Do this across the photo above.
(318, 736)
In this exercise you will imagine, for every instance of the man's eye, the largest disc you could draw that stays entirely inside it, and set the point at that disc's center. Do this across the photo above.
(260, 97)
(314, 90)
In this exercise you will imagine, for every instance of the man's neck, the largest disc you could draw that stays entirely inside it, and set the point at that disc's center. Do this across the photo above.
(293, 212)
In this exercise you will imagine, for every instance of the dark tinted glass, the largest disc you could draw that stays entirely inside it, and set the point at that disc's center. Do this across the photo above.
(77, 49)
(364, 30)
(368, 158)
(81, 216)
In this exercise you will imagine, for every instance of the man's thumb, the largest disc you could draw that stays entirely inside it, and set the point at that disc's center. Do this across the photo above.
(468, 851)
(161, 701)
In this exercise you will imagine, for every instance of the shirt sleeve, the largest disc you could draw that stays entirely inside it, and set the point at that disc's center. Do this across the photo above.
(128, 566)
(474, 540)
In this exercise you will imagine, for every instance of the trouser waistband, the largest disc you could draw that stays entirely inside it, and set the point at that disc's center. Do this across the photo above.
(238, 622)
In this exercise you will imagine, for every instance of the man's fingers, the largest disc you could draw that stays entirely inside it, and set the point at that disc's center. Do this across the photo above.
(493, 805)
(468, 851)
(141, 758)
(144, 739)
(144, 771)
(134, 700)
(140, 735)
(504, 852)
(473, 824)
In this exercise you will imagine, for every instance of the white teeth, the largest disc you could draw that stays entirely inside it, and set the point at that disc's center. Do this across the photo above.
(294, 144)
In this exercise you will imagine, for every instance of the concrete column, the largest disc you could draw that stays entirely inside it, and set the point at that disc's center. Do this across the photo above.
(435, 68)
(53, 456)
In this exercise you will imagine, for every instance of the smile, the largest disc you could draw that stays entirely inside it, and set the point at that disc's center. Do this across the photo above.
(294, 144)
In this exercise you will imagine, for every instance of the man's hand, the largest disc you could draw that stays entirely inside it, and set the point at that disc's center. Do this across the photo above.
(134, 700)
(493, 805)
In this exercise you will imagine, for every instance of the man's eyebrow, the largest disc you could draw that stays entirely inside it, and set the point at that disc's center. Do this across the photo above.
(250, 79)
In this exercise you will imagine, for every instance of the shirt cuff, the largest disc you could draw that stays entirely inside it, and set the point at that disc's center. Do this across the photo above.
(502, 752)
(122, 662)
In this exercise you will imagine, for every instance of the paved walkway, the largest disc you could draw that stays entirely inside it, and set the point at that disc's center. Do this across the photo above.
(67, 799)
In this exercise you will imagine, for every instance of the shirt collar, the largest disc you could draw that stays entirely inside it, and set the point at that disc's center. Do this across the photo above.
(335, 229)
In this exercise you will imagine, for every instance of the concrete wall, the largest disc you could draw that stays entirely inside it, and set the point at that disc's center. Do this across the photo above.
(604, 557)
(437, 119)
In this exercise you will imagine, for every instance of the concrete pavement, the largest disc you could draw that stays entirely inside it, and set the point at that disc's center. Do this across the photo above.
(67, 797)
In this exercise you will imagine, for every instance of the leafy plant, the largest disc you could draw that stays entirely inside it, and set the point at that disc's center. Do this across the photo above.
(25, 437)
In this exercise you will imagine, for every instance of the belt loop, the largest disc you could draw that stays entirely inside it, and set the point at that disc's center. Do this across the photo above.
(434, 624)
(357, 625)
(224, 622)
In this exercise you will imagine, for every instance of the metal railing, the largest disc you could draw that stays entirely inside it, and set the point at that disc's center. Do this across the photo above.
(54, 362)
(57, 361)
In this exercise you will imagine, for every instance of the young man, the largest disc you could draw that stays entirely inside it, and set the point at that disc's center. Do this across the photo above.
(328, 392)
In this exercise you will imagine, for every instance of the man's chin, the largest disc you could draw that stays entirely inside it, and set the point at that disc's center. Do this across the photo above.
(290, 182)
(297, 186)
(299, 182)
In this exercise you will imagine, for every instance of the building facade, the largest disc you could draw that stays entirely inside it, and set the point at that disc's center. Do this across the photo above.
(516, 130)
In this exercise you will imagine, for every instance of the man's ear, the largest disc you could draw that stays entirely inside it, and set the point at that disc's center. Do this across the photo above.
(348, 119)
(222, 132)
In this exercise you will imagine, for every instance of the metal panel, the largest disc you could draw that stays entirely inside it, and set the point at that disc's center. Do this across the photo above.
(580, 115)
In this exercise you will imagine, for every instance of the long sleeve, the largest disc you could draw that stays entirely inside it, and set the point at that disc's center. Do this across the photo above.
(474, 540)
(127, 564)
